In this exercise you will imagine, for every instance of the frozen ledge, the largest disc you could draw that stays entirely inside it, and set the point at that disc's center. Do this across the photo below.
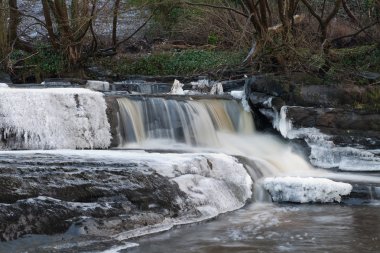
(304, 190)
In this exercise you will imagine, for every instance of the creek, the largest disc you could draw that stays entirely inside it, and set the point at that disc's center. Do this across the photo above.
(81, 171)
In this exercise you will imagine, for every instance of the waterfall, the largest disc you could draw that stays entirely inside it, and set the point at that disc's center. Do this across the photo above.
(220, 125)
(191, 122)
(53, 118)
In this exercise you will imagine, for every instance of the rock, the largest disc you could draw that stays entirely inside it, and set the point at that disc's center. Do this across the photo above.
(4, 77)
(305, 190)
(335, 118)
(70, 192)
(105, 193)
(216, 89)
(315, 95)
(63, 82)
(98, 85)
(369, 75)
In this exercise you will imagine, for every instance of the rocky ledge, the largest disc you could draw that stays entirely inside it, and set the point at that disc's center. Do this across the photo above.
(339, 123)
(114, 194)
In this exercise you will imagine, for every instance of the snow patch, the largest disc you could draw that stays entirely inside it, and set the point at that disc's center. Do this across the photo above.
(53, 118)
(304, 190)
(4, 85)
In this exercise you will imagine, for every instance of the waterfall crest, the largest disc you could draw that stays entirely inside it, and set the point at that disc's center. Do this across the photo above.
(191, 122)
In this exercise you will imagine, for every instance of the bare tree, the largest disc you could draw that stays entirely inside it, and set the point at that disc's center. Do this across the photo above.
(72, 23)
(323, 22)
(4, 43)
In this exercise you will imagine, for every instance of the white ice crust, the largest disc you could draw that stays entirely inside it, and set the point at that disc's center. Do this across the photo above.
(98, 85)
(240, 94)
(53, 119)
(214, 183)
(324, 153)
(304, 190)
(177, 88)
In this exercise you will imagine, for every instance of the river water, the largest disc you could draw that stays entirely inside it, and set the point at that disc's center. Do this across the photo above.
(258, 227)
(196, 132)
(267, 227)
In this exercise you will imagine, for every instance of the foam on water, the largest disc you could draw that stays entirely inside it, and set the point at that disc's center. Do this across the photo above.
(53, 118)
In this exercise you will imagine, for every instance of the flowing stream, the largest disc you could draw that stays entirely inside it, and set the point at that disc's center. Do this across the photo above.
(206, 149)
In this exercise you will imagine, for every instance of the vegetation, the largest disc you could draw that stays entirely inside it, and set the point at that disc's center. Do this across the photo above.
(322, 37)
(185, 63)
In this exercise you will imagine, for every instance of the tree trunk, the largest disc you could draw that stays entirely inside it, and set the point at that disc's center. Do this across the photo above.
(114, 22)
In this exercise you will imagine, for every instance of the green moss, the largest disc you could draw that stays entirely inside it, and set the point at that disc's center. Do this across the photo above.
(187, 62)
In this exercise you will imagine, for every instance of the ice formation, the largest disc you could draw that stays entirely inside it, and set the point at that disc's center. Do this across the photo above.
(214, 183)
(216, 89)
(201, 85)
(304, 190)
(177, 88)
(53, 118)
(240, 94)
(324, 153)
(98, 85)
(4, 85)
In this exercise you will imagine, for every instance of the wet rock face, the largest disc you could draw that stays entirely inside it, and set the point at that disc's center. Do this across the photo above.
(327, 117)
(308, 92)
(347, 127)
(47, 195)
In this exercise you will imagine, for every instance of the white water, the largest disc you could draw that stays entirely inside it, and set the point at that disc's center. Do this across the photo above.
(53, 118)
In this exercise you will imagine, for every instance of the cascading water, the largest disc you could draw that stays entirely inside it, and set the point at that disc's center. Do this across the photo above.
(218, 124)
(191, 122)
(116, 195)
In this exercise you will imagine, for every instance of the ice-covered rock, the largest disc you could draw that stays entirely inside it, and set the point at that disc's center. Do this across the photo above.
(304, 190)
(238, 94)
(216, 89)
(116, 191)
(177, 88)
(53, 118)
(202, 85)
(98, 85)
(4, 85)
